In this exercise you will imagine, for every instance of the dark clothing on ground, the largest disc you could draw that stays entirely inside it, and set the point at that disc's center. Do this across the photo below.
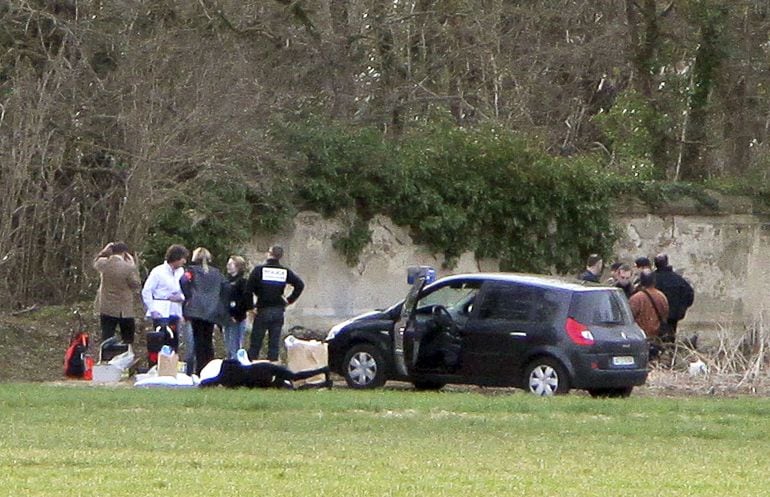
(589, 276)
(268, 283)
(240, 300)
(677, 290)
(260, 375)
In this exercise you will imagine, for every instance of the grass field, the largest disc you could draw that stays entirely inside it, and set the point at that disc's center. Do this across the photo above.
(70, 441)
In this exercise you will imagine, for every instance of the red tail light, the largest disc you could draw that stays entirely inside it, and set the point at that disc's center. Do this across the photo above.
(578, 333)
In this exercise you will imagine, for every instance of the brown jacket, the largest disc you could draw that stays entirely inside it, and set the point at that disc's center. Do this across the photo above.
(119, 282)
(644, 313)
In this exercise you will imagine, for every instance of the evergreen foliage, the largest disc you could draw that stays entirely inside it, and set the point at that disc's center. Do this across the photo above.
(485, 189)
(210, 210)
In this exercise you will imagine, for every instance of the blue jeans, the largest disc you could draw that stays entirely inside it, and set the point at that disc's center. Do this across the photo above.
(235, 337)
(186, 335)
(270, 320)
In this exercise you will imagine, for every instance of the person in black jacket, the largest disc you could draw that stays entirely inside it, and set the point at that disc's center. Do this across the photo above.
(593, 270)
(268, 282)
(677, 290)
(240, 301)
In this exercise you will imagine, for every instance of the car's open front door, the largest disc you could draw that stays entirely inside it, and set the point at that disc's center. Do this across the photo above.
(406, 345)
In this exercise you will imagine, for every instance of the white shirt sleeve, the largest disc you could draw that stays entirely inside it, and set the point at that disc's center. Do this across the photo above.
(147, 289)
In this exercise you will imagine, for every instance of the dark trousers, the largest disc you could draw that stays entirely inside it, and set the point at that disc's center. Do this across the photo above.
(203, 334)
(110, 323)
(669, 335)
(270, 320)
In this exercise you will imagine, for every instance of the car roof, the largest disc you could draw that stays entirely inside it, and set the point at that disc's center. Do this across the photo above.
(543, 281)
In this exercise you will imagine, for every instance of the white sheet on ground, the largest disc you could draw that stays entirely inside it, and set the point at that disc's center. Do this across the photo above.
(153, 380)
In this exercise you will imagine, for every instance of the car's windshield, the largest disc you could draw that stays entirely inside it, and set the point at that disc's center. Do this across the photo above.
(456, 297)
(602, 307)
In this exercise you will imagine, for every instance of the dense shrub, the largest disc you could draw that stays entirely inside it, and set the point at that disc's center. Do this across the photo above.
(211, 210)
(485, 190)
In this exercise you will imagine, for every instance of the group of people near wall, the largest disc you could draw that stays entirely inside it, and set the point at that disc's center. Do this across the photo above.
(191, 299)
(659, 298)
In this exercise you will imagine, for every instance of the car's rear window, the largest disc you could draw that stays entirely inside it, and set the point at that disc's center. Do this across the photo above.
(600, 307)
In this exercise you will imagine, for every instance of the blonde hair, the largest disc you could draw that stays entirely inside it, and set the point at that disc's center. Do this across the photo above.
(240, 263)
(203, 257)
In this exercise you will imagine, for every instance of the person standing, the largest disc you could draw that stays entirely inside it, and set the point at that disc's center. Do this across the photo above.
(614, 272)
(677, 290)
(623, 279)
(593, 270)
(640, 264)
(205, 290)
(239, 303)
(162, 295)
(649, 305)
(268, 282)
(119, 281)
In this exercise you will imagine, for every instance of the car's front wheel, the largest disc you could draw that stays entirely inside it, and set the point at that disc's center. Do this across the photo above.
(545, 377)
(364, 367)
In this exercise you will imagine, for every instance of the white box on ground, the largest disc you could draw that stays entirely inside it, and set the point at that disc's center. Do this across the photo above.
(106, 373)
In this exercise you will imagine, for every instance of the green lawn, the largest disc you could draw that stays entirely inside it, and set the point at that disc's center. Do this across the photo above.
(68, 441)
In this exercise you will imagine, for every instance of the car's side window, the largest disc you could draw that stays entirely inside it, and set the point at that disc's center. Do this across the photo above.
(511, 302)
(457, 297)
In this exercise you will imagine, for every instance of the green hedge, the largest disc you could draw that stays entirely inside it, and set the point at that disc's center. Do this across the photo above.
(486, 190)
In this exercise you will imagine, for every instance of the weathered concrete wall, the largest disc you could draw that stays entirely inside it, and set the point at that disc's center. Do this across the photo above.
(725, 257)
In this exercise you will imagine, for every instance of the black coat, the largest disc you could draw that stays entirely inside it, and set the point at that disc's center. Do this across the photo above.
(677, 290)
(240, 300)
(268, 281)
(589, 276)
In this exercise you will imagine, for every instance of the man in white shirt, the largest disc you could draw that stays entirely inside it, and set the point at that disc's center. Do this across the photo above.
(162, 295)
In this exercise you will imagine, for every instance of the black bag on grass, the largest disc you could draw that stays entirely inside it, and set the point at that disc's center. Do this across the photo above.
(75, 356)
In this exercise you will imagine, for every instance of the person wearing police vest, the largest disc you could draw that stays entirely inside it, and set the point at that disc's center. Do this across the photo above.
(268, 282)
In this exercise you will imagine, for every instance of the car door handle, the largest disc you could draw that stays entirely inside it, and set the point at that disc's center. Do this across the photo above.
(517, 334)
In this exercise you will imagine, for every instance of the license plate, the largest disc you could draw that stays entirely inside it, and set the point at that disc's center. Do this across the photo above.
(623, 360)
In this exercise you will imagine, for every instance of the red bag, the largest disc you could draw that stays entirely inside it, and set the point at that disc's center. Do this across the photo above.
(75, 358)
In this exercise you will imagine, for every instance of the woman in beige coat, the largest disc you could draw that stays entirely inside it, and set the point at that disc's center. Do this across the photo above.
(119, 283)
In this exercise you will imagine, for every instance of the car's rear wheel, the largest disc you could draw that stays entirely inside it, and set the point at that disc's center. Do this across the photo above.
(364, 367)
(546, 377)
(622, 392)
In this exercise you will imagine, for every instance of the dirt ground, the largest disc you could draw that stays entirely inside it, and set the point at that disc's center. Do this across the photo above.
(32, 346)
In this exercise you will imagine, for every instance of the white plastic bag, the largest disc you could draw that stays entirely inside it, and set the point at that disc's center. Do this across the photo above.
(125, 360)
(697, 368)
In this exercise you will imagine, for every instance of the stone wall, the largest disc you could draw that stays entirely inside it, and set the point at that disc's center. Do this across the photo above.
(725, 257)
